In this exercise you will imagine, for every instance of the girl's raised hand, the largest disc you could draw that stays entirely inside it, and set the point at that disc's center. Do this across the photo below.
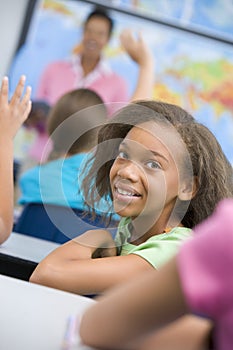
(139, 52)
(14, 112)
(136, 47)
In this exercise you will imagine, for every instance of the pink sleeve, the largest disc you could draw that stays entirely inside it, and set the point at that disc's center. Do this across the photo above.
(205, 263)
(122, 94)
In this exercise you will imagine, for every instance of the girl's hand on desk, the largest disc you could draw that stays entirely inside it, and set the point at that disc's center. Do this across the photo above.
(96, 239)
(96, 244)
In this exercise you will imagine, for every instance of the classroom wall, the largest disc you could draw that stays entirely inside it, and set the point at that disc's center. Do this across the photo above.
(12, 14)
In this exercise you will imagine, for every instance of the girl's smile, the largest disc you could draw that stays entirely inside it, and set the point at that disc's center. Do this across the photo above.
(124, 191)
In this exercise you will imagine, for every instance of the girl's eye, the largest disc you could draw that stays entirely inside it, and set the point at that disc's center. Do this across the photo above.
(122, 154)
(153, 164)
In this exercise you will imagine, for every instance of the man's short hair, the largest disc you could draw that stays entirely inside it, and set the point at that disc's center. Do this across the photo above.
(101, 13)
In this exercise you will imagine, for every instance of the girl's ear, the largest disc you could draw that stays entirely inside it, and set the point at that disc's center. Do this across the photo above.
(188, 189)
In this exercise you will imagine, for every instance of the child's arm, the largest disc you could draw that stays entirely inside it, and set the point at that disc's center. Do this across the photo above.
(81, 266)
(186, 333)
(139, 52)
(12, 116)
(131, 312)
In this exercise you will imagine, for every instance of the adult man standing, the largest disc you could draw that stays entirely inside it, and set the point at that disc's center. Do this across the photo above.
(87, 68)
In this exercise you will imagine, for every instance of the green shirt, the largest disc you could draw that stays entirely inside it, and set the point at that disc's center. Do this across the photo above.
(157, 250)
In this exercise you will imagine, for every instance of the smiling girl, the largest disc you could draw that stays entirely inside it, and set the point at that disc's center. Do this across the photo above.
(163, 173)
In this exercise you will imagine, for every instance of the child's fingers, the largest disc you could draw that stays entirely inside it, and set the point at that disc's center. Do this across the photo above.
(27, 110)
(18, 91)
(25, 104)
(27, 96)
(4, 90)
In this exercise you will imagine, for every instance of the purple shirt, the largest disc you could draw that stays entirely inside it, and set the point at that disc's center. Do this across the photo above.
(62, 76)
(205, 265)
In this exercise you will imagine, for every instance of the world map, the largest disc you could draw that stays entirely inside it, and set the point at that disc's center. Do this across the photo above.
(193, 71)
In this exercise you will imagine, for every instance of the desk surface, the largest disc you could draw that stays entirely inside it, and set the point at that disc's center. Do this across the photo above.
(35, 317)
(26, 247)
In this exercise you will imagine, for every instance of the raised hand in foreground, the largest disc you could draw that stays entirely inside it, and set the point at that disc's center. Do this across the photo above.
(12, 115)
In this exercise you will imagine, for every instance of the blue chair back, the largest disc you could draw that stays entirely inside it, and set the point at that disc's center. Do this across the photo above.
(57, 223)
